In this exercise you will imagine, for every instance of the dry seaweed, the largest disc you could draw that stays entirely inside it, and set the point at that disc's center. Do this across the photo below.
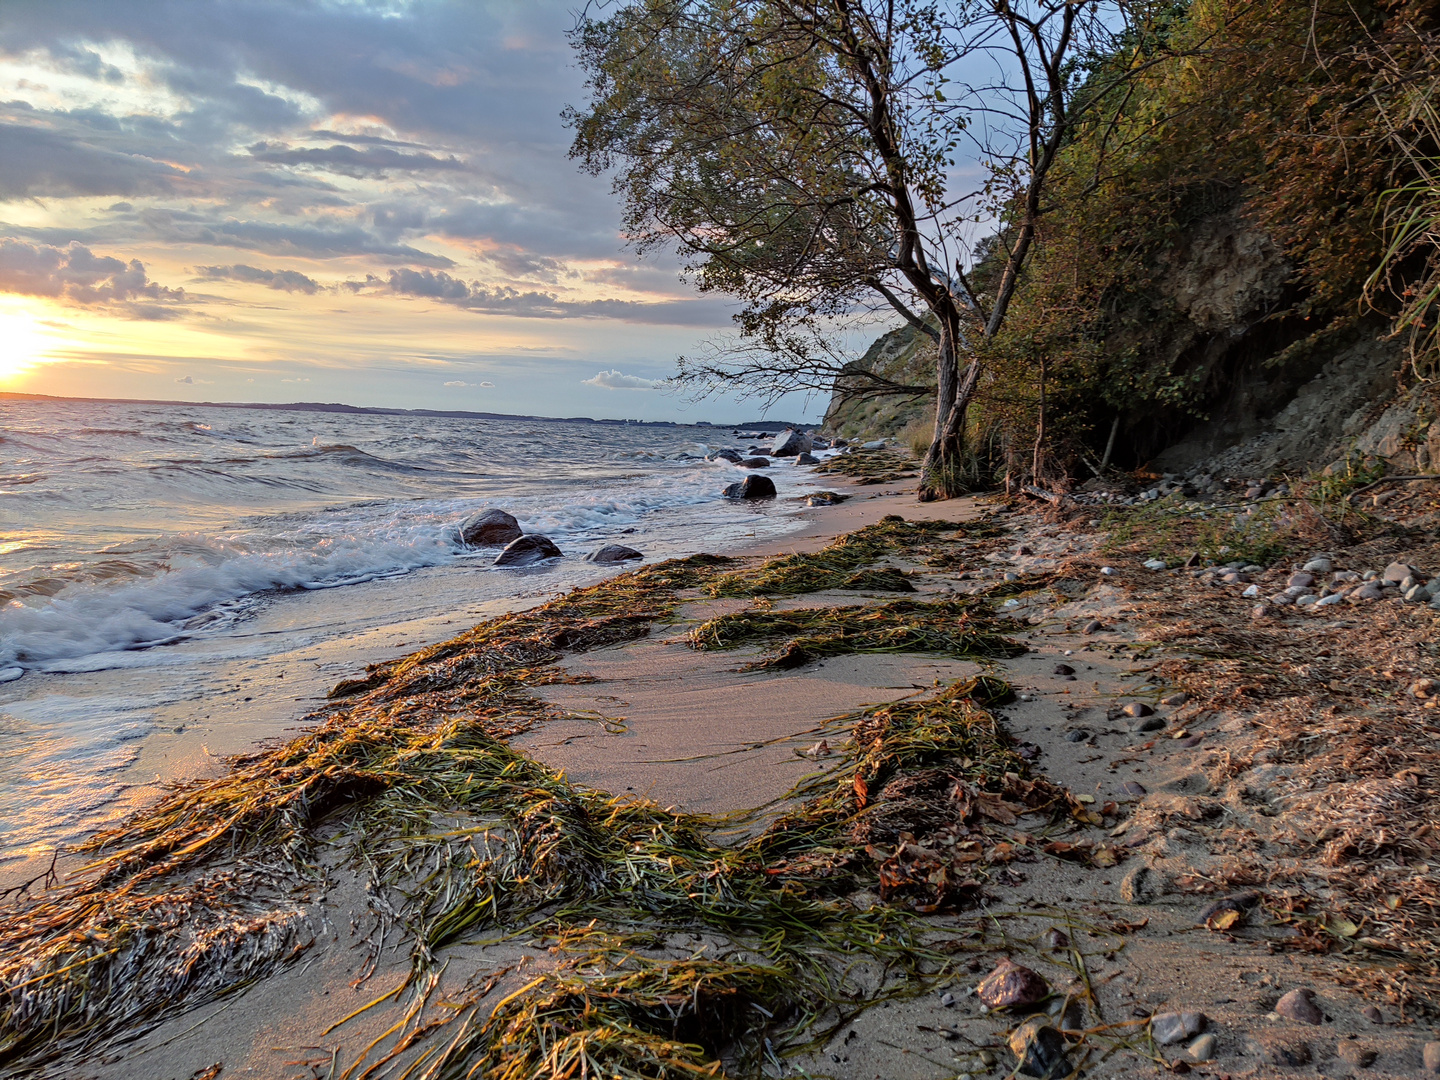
(877, 466)
(957, 628)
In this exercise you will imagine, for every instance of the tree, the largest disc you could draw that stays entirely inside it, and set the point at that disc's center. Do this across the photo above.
(801, 153)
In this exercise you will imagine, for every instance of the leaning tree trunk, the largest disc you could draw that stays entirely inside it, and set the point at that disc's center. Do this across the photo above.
(941, 471)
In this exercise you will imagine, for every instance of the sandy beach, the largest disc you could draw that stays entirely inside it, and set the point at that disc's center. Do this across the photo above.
(1098, 888)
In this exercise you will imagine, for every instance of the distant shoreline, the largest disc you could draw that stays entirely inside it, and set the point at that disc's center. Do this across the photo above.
(368, 410)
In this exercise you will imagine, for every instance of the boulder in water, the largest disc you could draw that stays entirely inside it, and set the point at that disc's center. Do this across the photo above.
(752, 487)
(806, 459)
(489, 528)
(755, 463)
(732, 456)
(789, 443)
(527, 550)
(613, 553)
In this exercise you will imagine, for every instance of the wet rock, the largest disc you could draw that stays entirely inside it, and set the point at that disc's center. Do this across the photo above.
(1011, 984)
(1141, 885)
(755, 463)
(1374, 1015)
(489, 528)
(732, 456)
(1431, 1057)
(1138, 708)
(528, 550)
(1176, 699)
(1202, 1049)
(1300, 1005)
(1355, 1053)
(1279, 1048)
(1167, 1029)
(790, 443)
(1150, 723)
(1092, 626)
(806, 459)
(752, 487)
(1064, 669)
(1039, 1049)
(613, 553)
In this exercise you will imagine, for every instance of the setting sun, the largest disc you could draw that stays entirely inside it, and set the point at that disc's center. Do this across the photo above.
(21, 344)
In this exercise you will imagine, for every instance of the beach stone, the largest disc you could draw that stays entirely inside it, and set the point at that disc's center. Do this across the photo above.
(1431, 1057)
(1141, 885)
(1318, 565)
(1176, 699)
(1279, 1048)
(1167, 1029)
(806, 459)
(790, 442)
(1064, 669)
(1011, 984)
(1374, 1015)
(489, 528)
(1092, 626)
(1355, 1053)
(752, 487)
(1301, 581)
(1240, 903)
(1202, 1049)
(1371, 590)
(1039, 1049)
(1077, 735)
(1397, 572)
(1300, 1005)
(755, 463)
(1150, 723)
(613, 553)
(1330, 601)
(732, 456)
(1138, 708)
(527, 550)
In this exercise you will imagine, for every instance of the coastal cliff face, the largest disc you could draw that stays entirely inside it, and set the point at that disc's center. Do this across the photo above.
(904, 356)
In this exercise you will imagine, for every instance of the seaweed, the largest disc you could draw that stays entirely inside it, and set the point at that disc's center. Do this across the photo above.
(877, 466)
(958, 628)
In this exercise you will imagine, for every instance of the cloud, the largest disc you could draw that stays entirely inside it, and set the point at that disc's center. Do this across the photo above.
(35, 162)
(77, 275)
(280, 238)
(614, 380)
(187, 380)
(458, 382)
(346, 160)
(285, 280)
(487, 386)
(533, 304)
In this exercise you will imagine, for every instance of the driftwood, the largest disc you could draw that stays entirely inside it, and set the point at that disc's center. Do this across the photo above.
(1054, 498)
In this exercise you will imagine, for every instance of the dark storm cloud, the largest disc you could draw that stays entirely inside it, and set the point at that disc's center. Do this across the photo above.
(283, 238)
(76, 274)
(285, 280)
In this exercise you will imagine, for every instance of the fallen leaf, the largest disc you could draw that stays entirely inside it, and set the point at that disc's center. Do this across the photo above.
(1224, 920)
(1342, 926)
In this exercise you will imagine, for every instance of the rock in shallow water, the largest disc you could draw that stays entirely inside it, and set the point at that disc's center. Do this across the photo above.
(752, 487)
(613, 553)
(790, 443)
(489, 528)
(528, 550)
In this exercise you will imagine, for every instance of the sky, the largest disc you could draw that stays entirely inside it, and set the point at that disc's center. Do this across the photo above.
(296, 200)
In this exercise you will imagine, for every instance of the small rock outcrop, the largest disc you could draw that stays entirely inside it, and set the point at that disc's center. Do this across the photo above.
(613, 553)
(528, 550)
(752, 487)
(806, 459)
(755, 463)
(489, 528)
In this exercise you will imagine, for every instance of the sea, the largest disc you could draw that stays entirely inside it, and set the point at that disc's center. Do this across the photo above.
(166, 568)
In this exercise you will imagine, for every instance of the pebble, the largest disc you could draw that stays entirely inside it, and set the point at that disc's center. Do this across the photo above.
(1202, 1049)
(1108, 571)
(1330, 601)
(1279, 1048)
(1398, 571)
(1319, 565)
(1064, 669)
(1301, 581)
(1039, 1049)
(1431, 1056)
(1175, 699)
(1300, 1005)
(1150, 723)
(947, 999)
(1260, 611)
(1167, 1029)
(1154, 564)
(1374, 1015)
(1138, 708)
(1077, 735)
(1011, 984)
(1092, 626)
(1252, 592)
